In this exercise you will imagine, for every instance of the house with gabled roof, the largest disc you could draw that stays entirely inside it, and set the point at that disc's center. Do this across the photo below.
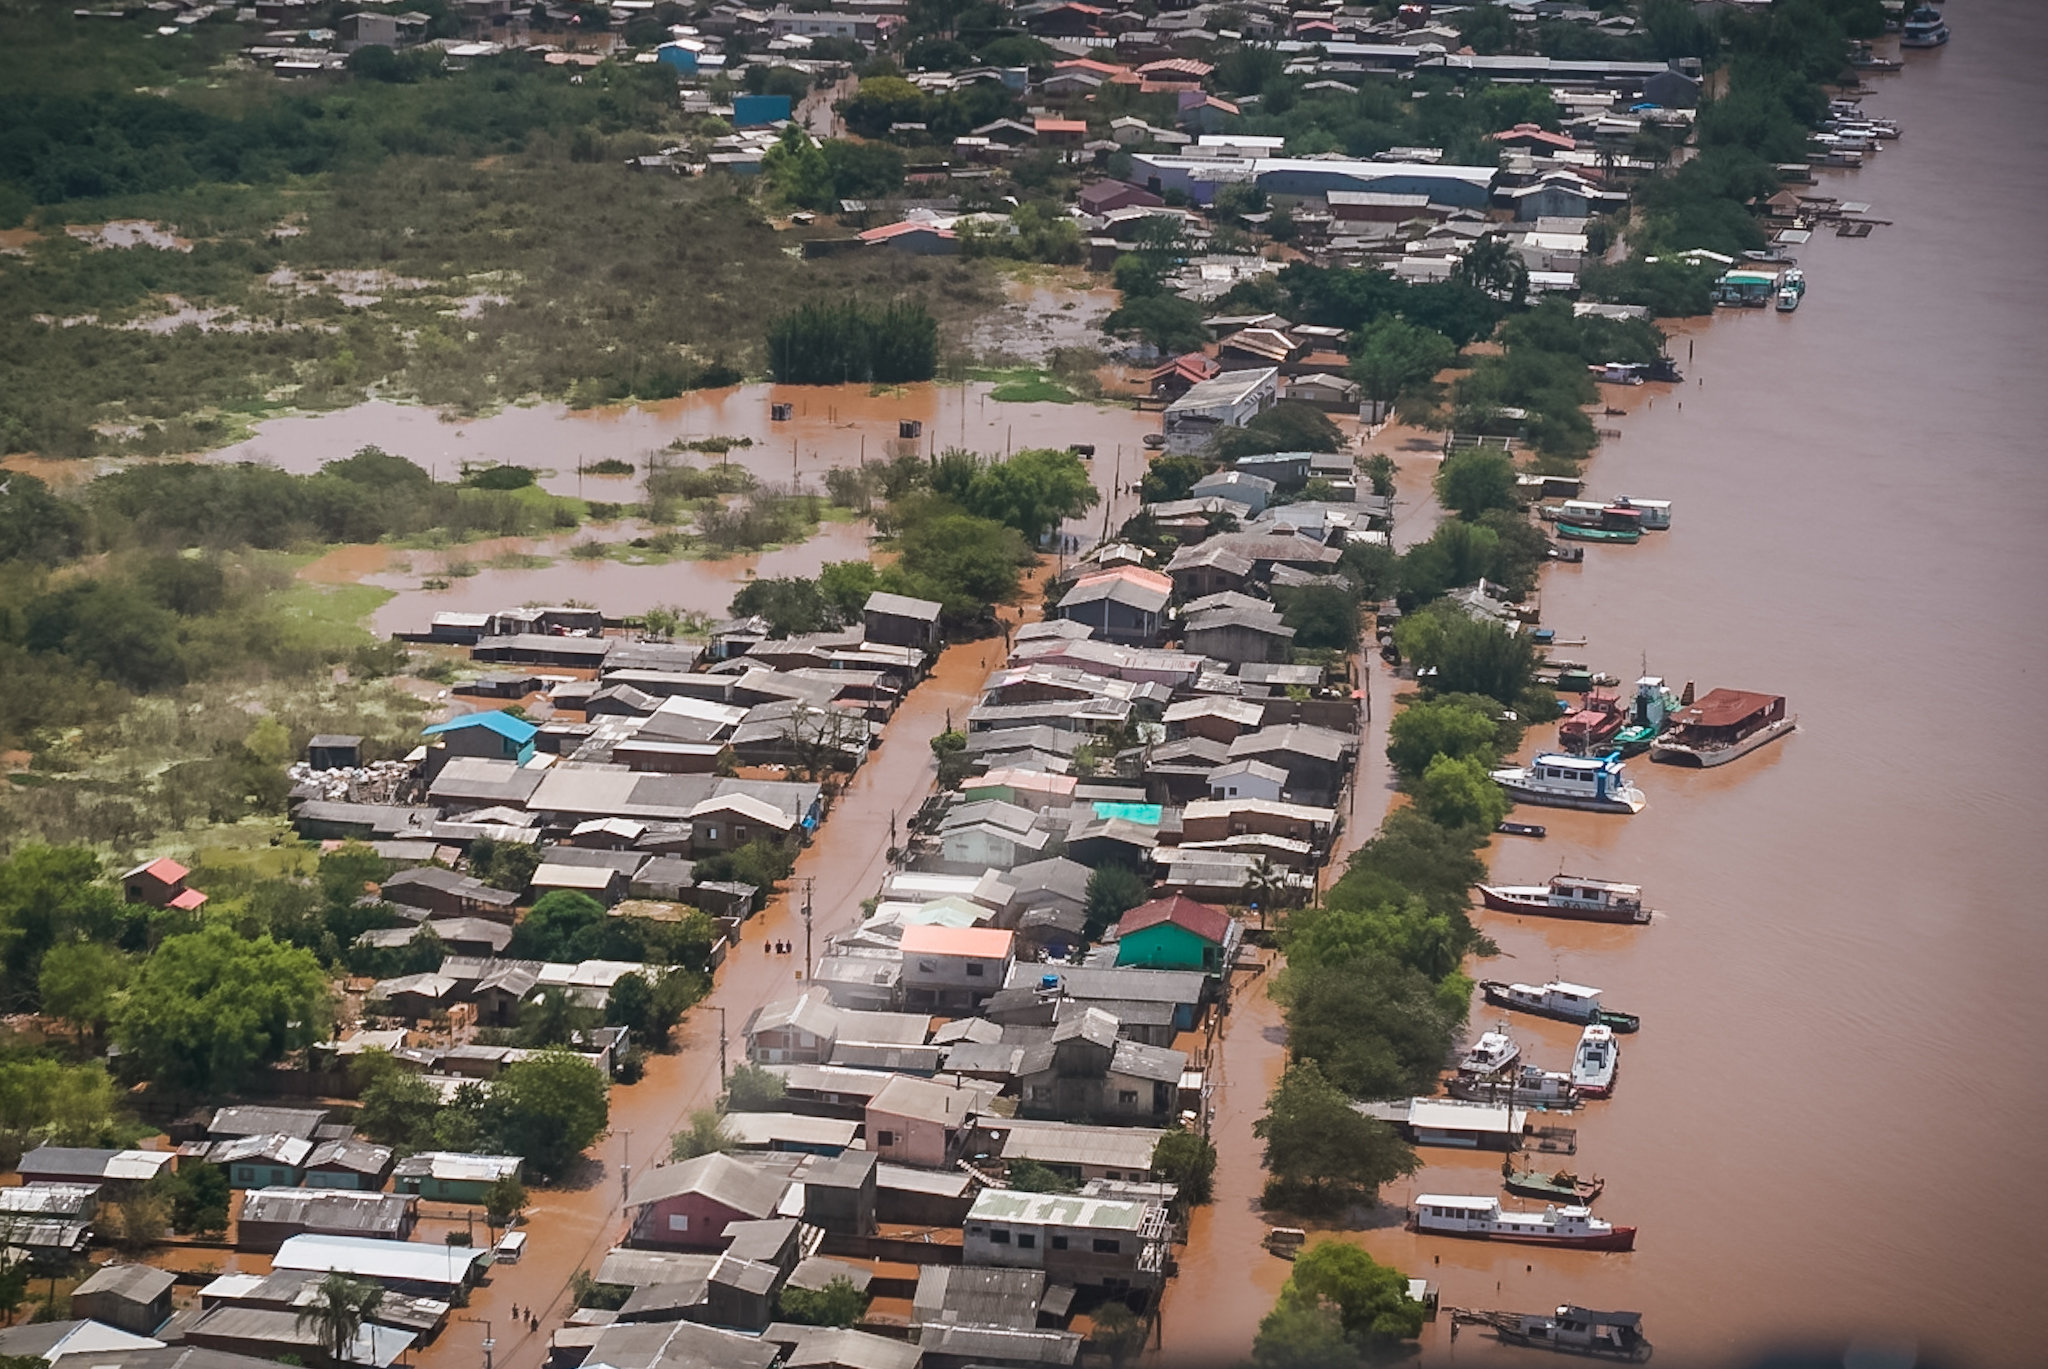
(161, 884)
(1177, 933)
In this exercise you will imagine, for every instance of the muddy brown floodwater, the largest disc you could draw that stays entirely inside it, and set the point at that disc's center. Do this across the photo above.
(1830, 1124)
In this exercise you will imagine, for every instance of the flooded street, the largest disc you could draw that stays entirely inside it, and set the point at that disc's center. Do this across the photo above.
(1829, 1125)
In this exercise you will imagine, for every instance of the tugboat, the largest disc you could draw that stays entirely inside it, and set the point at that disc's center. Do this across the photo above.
(1555, 780)
(1577, 1003)
(1563, 1185)
(1569, 1330)
(1483, 1219)
(1925, 28)
(1724, 724)
(1569, 896)
(1595, 1062)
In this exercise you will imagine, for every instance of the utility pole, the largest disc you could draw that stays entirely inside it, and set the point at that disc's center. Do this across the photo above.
(626, 1163)
(490, 1342)
(808, 882)
(721, 1047)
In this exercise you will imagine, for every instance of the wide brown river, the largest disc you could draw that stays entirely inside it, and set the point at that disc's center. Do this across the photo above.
(1833, 1124)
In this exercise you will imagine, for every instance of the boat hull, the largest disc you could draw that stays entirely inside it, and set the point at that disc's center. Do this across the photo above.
(1621, 1238)
(1543, 798)
(1666, 752)
(1510, 901)
(1496, 993)
(1536, 1186)
(1579, 534)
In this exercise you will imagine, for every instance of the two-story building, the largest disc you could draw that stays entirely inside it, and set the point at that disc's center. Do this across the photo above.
(1096, 1242)
(924, 1123)
(688, 1206)
(1086, 1072)
(954, 970)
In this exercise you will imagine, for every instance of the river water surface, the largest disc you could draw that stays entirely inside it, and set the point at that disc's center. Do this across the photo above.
(1830, 1125)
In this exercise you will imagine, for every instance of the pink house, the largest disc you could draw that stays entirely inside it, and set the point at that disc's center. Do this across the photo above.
(687, 1206)
(922, 1122)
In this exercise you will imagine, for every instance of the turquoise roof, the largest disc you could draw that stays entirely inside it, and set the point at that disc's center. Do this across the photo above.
(518, 731)
(1144, 814)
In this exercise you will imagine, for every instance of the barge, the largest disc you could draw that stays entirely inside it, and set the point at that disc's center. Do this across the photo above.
(1723, 725)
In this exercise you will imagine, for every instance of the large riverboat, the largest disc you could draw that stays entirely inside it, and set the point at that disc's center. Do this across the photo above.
(1722, 725)
(1925, 28)
(1483, 1219)
(1596, 1061)
(1569, 896)
(1579, 1003)
(1555, 780)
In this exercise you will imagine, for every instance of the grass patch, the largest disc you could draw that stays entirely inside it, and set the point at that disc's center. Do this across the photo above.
(519, 560)
(1024, 385)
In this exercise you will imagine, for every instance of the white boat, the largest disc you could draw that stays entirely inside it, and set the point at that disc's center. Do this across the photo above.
(1595, 1061)
(1492, 1053)
(1483, 1218)
(1528, 1086)
(1578, 1003)
(1556, 780)
(1924, 28)
(1656, 513)
(1788, 300)
(1570, 896)
(1795, 281)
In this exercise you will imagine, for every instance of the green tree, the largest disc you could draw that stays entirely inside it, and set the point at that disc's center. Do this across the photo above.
(1496, 268)
(1456, 554)
(562, 926)
(548, 1108)
(81, 983)
(1169, 478)
(1113, 890)
(1167, 322)
(398, 1108)
(507, 865)
(791, 605)
(198, 1195)
(880, 102)
(1323, 616)
(1033, 491)
(1187, 1160)
(339, 1308)
(798, 170)
(838, 1303)
(754, 1089)
(504, 1200)
(552, 1018)
(966, 563)
(1371, 1299)
(1430, 728)
(1460, 793)
(1289, 426)
(1407, 932)
(1318, 1147)
(1468, 656)
(846, 586)
(1476, 480)
(1029, 1176)
(210, 1008)
(863, 171)
(1373, 1027)
(1117, 1334)
(1391, 356)
(1301, 1333)
(707, 1134)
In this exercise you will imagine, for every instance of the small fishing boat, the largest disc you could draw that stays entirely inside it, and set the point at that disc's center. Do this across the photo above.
(1527, 1087)
(1563, 1185)
(1723, 725)
(1523, 829)
(1493, 1053)
(1569, 896)
(1596, 1061)
(1568, 1331)
(1570, 554)
(1576, 533)
(1554, 780)
(1788, 300)
(1577, 1003)
(1483, 1219)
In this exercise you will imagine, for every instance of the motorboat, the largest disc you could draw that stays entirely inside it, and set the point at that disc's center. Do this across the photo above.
(1553, 779)
(1788, 300)
(1569, 896)
(1578, 1003)
(1484, 1219)
(1722, 725)
(1653, 515)
(1493, 1053)
(1595, 1062)
(1522, 829)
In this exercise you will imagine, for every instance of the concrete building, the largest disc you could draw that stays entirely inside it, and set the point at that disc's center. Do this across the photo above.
(1230, 400)
(954, 970)
(1091, 1241)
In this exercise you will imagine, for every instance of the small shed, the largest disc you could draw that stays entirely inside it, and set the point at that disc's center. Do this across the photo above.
(133, 1297)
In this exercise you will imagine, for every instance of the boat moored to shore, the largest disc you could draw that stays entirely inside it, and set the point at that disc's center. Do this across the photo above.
(1596, 1061)
(1569, 896)
(1483, 1219)
(1924, 28)
(1554, 780)
(1562, 1186)
(1722, 725)
(1579, 1003)
(1569, 1330)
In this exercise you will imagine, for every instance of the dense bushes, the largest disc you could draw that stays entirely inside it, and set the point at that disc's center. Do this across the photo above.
(833, 344)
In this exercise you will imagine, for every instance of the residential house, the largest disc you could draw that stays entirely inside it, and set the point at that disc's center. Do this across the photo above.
(229, 1333)
(1209, 567)
(1229, 401)
(452, 1176)
(261, 1161)
(1317, 760)
(837, 1347)
(1248, 779)
(161, 884)
(445, 893)
(899, 620)
(1101, 197)
(347, 1164)
(1076, 1151)
(463, 783)
(1177, 933)
(483, 736)
(1332, 393)
(114, 1172)
(1177, 994)
(924, 1123)
(332, 751)
(687, 1206)
(663, 1345)
(1218, 821)
(1083, 1241)
(1124, 605)
(1086, 1072)
(49, 1223)
(914, 238)
(428, 1269)
(797, 1030)
(607, 884)
(229, 1123)
(1239, 487)
(134, 1297)
(1218, 717)
(272, 1216)
(727, 822)
(954, 970)
(1239, 635)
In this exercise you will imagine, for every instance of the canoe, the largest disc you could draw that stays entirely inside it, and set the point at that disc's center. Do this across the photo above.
(1522, 829)
(1579, 534)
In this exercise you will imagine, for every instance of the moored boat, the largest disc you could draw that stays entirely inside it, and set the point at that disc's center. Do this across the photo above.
(1554, 780)
(1563, 1185)
(1788, 300)
(1527, 1087)
(1576, 533)
(1648, 716)
(1594, 724)
(1484, 1219)
(1523, 829)
(1574, 1331)
(1924, 28)
(1569, 896)
(1596, 1061)
(1722, 725)
(1655, 513)
(1492, 1053)
(1579, 1003)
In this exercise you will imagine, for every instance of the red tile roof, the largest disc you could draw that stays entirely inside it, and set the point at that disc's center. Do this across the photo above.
(189, 901)
(1211, 924)
(165, 869)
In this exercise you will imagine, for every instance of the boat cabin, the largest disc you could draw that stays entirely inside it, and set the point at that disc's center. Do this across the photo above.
(1586, 513)
(1723, 717)
(1592, 776)
(1571, 891)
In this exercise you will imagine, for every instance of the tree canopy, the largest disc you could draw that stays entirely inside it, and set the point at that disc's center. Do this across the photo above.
(210, 1008)
(1319, 1149)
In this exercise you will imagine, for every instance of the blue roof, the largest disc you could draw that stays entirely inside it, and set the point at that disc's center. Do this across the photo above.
(515, 730)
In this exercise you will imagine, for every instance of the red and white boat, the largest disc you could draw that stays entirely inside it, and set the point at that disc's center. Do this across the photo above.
(1483, 1219)
(1570, 896)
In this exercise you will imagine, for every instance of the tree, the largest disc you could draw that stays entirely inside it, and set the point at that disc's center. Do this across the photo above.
(1468, 656)
(1425, 730)
(505, 1199)
(1319, 1148)
(562, 926)
(1033, 491)
(80, 983)
(838, 1303)
(880, 102)
(1301, 1333)
(1322, 615)
(798, 170)
(398, 1108)
(1460, 793)
(1476, 480)
(1118, 1333)
(1029, 1176)
(549, 1107)
(1390, 356)
(552, 1018)
(210, 1008)
(1113, 890)
(339, 1308)
(1373, 1027)
(136, 1223)
(1167, 322)
(846, 586)
(46, 1100)
(1169, 478)
(1371, 1299)
(966, 563)
(753, 1089)
(792, 606)
(507, 865)
(1496, 268)
(863, 171)
(707, 1135)
(1187, 1160)
(1292, 425)
(198, 1195)
(1457, 553)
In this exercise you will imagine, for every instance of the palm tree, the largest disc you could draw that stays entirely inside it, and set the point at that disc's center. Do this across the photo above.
(1267, 882)
(339, 1310)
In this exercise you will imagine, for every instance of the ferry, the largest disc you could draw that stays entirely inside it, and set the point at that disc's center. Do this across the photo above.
(1555, 780)
(1492, 1053)
(1482, 1218)
(1925, 28)
(1527, 1087)
(1788, 300)
(1570, 896)
(1722, 725)
(1579, 1003)
(1595, 1062)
